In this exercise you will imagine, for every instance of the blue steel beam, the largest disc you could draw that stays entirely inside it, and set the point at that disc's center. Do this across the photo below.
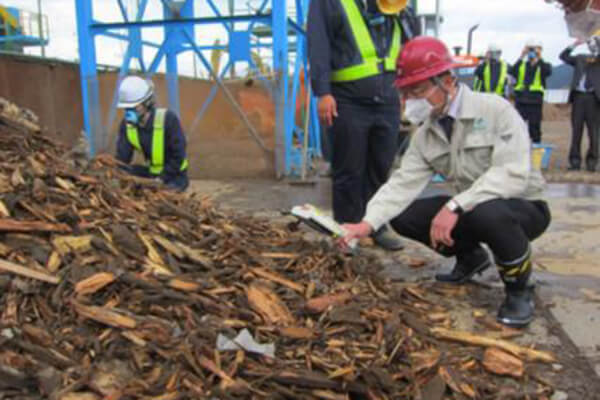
(297, 27)
(100, 28)
(209, 98)
(218, 14)
(159, 56)
(125, 37)
(230, 98)
(24, 40)
(259, 11)
(171, 51)
(314, 126)
(283, 126)
(265, 81)
(123, 10)
(88, 71)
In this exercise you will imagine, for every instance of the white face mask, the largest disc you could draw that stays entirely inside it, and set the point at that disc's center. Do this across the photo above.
(417, 110)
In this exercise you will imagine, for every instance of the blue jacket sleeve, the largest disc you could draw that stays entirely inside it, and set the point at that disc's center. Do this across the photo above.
(319, 47)
(175, 147)
(124, 148)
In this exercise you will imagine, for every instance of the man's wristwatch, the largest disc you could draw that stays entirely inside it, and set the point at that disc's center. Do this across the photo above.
(454, 207)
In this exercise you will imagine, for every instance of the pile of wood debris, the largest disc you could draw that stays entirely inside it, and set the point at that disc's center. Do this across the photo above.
(111, 288)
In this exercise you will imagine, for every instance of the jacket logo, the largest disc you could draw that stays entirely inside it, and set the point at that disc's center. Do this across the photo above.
(480, 124)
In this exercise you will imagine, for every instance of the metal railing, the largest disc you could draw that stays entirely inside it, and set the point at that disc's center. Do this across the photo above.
(30, 25)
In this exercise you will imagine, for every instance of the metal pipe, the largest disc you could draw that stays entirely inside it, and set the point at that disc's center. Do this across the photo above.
(41, 28)
(231, 29)
(437, 17)
(470, 39)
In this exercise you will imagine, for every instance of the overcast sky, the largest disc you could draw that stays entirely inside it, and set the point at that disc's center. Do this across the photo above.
(508, 23)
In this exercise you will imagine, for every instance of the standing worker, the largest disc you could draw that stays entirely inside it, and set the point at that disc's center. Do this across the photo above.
(155, 132)
(531, 72)
(352, 49)
(585, 98)
(492, 75)
(480, 144)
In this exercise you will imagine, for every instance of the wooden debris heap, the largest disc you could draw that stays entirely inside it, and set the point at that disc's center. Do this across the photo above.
(113, 289)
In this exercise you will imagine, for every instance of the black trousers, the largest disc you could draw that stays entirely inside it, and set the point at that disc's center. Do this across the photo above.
(586, 110)
(364, 144)
(532, 114)
(505, 225)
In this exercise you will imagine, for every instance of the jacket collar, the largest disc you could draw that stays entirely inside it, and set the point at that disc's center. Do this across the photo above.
(468, 105)
(463, 106)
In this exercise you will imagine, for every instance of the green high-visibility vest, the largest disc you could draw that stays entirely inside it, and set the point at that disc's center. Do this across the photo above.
(487, 79)
(157, 157)
(370, 64)
(536, 85)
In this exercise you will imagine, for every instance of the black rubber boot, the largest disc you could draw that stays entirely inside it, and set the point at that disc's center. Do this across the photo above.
(387, 239)
(517, 309)
(467, 265)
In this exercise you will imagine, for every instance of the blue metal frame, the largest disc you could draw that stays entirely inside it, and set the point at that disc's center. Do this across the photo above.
(179, 31)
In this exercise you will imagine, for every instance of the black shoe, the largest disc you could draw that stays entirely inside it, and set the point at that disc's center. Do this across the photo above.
(573, 168)
(517, 309)
(590, 168)
(467, 265)
(387, 239)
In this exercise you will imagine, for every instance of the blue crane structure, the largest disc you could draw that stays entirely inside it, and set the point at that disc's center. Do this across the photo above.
(182, 23)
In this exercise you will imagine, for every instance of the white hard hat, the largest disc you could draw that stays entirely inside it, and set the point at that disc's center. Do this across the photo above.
(134, 91)
(531, 43)
(493, 47)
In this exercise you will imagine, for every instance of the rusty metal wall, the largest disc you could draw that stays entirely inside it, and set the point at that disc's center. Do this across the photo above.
(220, 147)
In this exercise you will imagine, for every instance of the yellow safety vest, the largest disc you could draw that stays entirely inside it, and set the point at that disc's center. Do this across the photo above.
(157, 158)
(370, 64)
(536, 85)
(487, 78)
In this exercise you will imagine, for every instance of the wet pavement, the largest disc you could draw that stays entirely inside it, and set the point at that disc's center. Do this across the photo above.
(567, 256)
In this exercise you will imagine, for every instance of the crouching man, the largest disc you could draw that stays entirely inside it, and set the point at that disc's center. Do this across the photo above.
(481, 145)
(155, 132)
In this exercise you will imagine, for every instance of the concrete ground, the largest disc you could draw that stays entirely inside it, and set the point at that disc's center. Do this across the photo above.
(567, 266)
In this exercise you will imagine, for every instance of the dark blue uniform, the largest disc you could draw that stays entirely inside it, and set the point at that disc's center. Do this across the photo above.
(530, 103)
(175, 151)
(364, 136)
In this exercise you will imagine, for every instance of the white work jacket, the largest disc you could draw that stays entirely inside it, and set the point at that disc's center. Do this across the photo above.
(488, 157)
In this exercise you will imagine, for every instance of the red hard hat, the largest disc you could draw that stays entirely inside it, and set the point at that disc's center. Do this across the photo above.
(422, 58)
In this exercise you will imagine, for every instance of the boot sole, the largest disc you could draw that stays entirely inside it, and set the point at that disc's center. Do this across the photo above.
(515, 323)
(469, 276)
(519, 323)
